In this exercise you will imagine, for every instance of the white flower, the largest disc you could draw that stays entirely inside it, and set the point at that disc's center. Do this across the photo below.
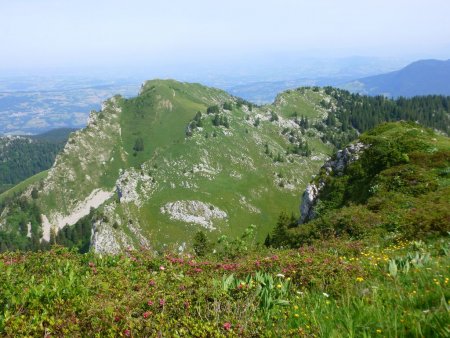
(280, 275)
(326, 294)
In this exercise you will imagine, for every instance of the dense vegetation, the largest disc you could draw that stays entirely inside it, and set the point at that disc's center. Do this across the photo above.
(399, 187)
(331, 288)
(24, 228)
(22, 157)
(365, 112)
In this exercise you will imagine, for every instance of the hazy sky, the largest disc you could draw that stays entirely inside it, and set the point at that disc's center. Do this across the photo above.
(112, 33)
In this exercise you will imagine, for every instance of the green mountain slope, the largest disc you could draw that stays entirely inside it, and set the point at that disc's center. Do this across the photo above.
(158, 170)
(153, 170)
(394, 182)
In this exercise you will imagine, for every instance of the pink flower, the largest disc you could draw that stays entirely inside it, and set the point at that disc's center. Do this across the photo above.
(162, 268)
(162, 302)
(186, 305)
(147, 314)
(127, 333)
(150, 303)
(152, 283)
(227, 326)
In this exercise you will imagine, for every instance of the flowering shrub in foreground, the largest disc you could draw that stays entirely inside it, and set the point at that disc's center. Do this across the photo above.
(336, 288)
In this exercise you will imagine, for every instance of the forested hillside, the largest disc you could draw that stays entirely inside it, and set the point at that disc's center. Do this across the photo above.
(25, 156)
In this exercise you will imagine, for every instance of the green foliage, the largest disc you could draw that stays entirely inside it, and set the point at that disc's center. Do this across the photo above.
(138, 144)
(366, 112)
(227, 106)
(235, 247)
(273, 116)
(201, 244)
(333, 288)
(280, 236)
(23, 157)
(213, 110)
(395, 187)
(22, 230)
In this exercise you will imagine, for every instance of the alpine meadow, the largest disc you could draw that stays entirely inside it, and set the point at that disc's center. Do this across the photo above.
(224, 169)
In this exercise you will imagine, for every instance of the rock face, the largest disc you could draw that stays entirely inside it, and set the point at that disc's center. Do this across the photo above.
(335, 166)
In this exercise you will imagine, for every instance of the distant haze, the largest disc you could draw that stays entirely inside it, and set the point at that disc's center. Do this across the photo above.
(172, 36)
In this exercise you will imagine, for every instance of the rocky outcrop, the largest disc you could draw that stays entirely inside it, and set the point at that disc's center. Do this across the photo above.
(196, 212)
(335, 166)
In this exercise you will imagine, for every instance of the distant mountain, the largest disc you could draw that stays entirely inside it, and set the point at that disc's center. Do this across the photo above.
(424, 77)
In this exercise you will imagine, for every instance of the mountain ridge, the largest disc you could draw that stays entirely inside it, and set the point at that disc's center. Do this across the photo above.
(179, 158)
(423, 77)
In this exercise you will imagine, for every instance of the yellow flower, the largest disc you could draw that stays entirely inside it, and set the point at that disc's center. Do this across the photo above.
(296, 315)
(295, 307)
(279, 286)
(378, 331)
(359, 279)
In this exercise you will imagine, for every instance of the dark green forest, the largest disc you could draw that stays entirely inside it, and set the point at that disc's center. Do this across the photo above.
(366, 112)
(22, 157)
(355, 113)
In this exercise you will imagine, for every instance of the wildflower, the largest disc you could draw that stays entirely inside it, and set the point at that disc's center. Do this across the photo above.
(162, 268)
(227, 326)
(279, 286)
(150, 303)
(295, 307)
(378, 331)
(186, 305)
(162, 302)
(280, 275)
(127, 333)
(296, 315)
(152, 283)
(147, 314)
(326, 294)
(359, 279)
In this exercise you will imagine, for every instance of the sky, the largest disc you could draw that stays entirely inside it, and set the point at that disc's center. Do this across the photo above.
(83, 34)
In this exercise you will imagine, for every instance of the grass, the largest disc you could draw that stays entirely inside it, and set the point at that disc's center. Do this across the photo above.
(19, 188)
(332, 289)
